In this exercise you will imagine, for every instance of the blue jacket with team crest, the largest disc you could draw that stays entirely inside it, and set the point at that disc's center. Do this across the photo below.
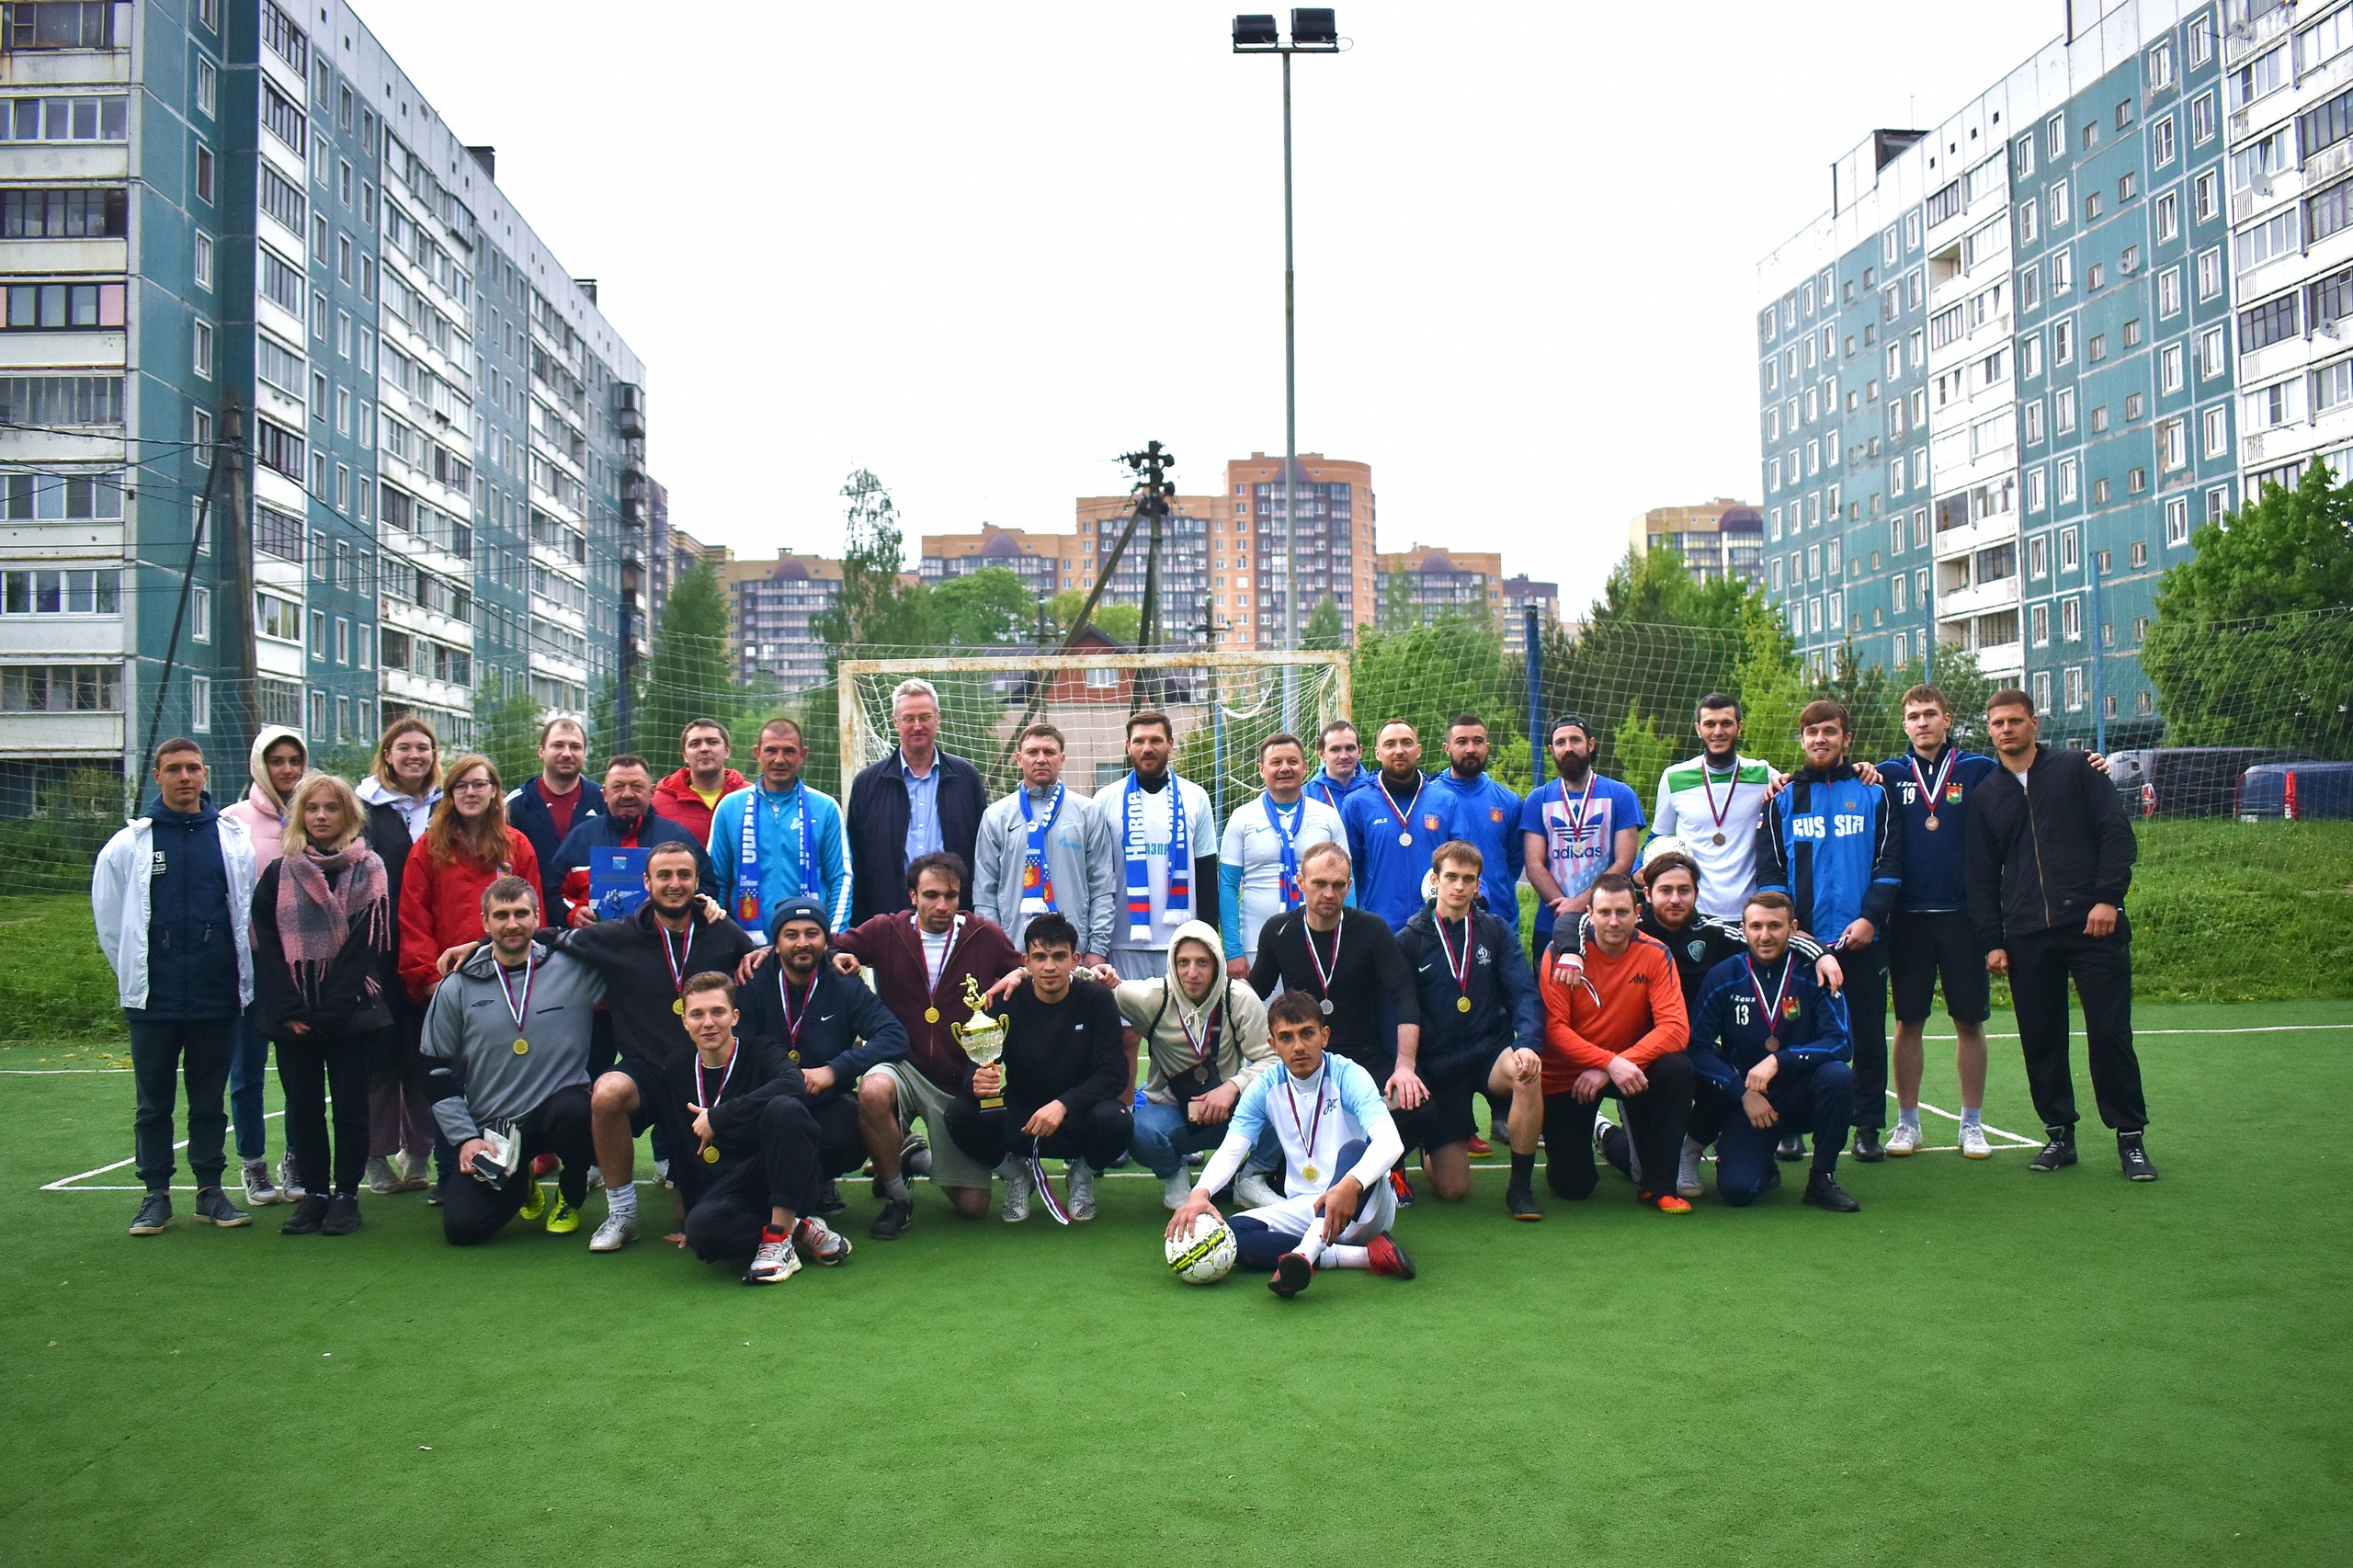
(1505, 1008)
(1487, 813)
(1932, 860)
(1729, 1028)
(1836, 846)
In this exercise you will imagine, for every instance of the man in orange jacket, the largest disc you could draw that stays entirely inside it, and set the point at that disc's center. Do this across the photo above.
(1619, 1028)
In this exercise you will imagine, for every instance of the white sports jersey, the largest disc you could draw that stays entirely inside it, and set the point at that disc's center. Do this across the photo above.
(1715, 815)
(1313, 1117)
(1252, 845)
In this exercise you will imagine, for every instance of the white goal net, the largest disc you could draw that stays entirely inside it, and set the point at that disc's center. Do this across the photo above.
(1220, 705)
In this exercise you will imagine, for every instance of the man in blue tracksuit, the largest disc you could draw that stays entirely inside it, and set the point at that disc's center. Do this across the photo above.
(1485, 814)
(1835, 845)
(1343, 773)
(779, 839)
(1768, 1048)
(1394, 825)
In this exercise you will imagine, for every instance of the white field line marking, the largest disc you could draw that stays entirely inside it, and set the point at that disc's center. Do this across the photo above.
(2020, 1141)
(52, 1072)
(66, 1183)
(2251, 1028)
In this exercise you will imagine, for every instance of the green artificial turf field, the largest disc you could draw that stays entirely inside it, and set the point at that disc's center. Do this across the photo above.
(1983, 1365)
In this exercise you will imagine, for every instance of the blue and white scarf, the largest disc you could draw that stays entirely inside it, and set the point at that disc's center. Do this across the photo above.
(748, 855)
(1289, 839)
(1036, 877)
(1177, 907)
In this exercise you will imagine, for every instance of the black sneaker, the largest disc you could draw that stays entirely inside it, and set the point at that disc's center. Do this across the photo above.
(1519, 1202)
(1791, 1147)
(892, 1224)
(829, 1198)
(1821, 1190)
(1868, 1148)
(2137, 1166)
(213, 1208)
(1293, 1274)
(154, 1215)
(2058, 1152)
(343, 1215)
(915, 1156)
(309, 1215)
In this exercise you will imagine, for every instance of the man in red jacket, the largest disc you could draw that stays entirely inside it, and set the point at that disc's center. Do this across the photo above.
(921, 959)
(687, 795)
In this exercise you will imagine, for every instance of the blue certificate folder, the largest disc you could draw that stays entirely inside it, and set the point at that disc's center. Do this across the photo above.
(615, 882)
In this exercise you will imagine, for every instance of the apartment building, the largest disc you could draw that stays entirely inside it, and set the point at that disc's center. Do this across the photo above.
(1719, 539)
(1046, 563)
(228, 209)
(1998, 378)
(1333, 510)
(771, 606)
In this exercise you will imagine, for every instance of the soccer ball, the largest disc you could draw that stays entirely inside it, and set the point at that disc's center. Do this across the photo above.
(1204, 1253)
(1664, 844)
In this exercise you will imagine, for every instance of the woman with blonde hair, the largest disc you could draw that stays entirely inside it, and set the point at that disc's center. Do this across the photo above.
(402, 786)
(466, 846)
(321, 928)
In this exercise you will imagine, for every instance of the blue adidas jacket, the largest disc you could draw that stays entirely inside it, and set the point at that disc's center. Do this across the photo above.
(1728, 1029)
(1836, 846)
(1935, 863)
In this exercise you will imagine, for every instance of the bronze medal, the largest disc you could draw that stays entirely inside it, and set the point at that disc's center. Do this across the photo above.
(709, 1156)
(1720, 839)
(1932, 821)
(1772, 1043)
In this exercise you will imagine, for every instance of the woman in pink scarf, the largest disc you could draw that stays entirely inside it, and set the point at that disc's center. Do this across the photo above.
(323, 926)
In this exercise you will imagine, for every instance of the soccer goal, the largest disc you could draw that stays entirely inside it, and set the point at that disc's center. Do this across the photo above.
(1220, 705)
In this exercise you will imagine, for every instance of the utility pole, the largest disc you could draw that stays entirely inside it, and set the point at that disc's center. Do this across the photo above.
(1152, 492)
(237, 541)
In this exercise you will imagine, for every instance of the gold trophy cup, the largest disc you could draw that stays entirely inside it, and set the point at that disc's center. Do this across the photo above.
(981, 1037)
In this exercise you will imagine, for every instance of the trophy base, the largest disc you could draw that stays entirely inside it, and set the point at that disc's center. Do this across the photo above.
(992, 1102)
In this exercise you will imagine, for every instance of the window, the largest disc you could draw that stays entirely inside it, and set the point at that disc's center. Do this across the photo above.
(2160, 143)
(319, 635)
(2326, 125)
(57, 24)
(2062, 408)
(2071, 618)
(2062, 272)
(2067, 481)
(2137, 480)
(2329, 211)
(2099, 491)
(2127, 187)
(2068, 558)
(2099, 420)
(1945, 203)
(61, 688)
(199, 614)
(2133, 332)
(2063, 342)
(2211, 361)
(200, 354)
(2218, 431)
(203, 173)
(49, 307)
(2038, 621)
(2043, 691)
(2031, 356)
(278, 620)
(2332, 386)
(278, 533)
(2267, 241)
(2263, 75)
(343, 487)
(2061, 206)
(2030, 289)
(61, 400)
(65, 119)
(2173, 444)
(281, 118)
(2033, 415)
(2169, 292)
(2140, 558)
(2282, 403)
(278, 448)
(2054, 135)
(2091, 211)
(2037, 486)
(2030, 218)
(2168, 207)
(2021, 162)
(2177, 521)
(204, 261)
(2038, 557)
(67, 592)
(71, 214)
(281, 283)
(282, 200)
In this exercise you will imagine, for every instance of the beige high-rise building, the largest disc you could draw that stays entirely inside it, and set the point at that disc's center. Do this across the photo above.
(1046, 562)
(1718, 539)
(1334, 510)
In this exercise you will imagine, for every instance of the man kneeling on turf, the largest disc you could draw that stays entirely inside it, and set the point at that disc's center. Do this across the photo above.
(1769, 1046)
(1338, 1142)
(752, 1178)
(511, 1024)
(1064, 1081)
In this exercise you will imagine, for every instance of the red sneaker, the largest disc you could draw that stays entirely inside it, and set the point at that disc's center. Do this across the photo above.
(1402, 1187)
(1668, 1204)
(1480, 1145)
(542, 1164)
(1389, 1258)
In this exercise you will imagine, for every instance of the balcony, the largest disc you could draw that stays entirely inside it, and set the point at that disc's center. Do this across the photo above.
(1978, 598)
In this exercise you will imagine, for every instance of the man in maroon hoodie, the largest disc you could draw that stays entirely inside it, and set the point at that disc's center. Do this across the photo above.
(687, 795)
(921, 959)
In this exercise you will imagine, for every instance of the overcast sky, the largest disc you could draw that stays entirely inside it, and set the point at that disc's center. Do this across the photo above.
(983, 250)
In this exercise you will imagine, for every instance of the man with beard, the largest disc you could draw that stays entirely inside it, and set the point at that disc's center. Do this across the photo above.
(1393, 825)
(1712, 802)
(1485, 814)
(1167, 841)
(1575, 829)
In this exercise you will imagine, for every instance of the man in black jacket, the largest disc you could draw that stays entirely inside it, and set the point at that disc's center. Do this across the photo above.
(1349, 962)
(913, 803)
(753, 1175)
(2049, 858)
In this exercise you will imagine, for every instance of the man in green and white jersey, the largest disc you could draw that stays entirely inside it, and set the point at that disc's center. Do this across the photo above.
(1712, 802)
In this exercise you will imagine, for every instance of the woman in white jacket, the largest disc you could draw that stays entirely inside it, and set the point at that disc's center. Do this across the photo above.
(275, 764)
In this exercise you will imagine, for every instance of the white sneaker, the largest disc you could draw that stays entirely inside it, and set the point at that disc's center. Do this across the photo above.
(1687, 1171)
(1175, 1189)
(616, 1233)
(596, 1179)
(662, 1172)
(775, 1262)
(1080, 1188)
(260, 1192)
(1017, 1195)
(1252, 1191)
(1601, 1126)
(379, 1176)
(820, 1242)
(1904, 1140)
(1974, 1145)
(415, 1172)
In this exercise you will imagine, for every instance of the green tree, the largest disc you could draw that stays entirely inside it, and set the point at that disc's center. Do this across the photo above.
(1770, 683)
(1644, 754)
(1325, 628)
(687, 677)
(1120, 623)
(508, 732)
(983, 608)
(1653, 645)
(873, 608)
(2252, 644)
(1965, 687)
(1862, 689)
(1398, 611)
(1427, 674)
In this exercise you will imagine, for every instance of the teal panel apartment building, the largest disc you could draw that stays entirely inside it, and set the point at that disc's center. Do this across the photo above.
(2008, 369)
(235, 214)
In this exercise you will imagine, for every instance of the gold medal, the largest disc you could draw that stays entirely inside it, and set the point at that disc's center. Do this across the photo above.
(931, 1015)
(1932, 821)
(1462, 1004)
(679, 1007)
(1307, 1171)
(522, 1046)
(709, 1156)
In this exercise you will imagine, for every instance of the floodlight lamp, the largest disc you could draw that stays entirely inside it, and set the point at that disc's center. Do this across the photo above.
(1255, 32)
(1313, 26)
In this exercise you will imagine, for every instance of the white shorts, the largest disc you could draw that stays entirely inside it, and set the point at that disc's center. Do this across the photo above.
(1292, 1217)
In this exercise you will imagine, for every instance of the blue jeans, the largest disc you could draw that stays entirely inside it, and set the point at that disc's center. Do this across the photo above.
(1164, 1136)
(1818, 1100)
(248, 1072)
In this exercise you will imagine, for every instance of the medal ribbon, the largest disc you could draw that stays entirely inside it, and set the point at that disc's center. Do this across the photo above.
(1773, 1008)
(518, 1010)
(1708, 790)
(791, 1023)
(678, 960)
(1308, 1131)
(1943, 776)
(711, 1101)
(945, 954)
(1406, 813)
(1045, 1189)
(1578, 811)
(1208, 1041)
(1288, 838)
(1036, 877)
(1323, 974)
(1460, 971)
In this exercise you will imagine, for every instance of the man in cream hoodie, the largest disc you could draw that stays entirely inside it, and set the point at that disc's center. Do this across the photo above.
(275, 764)
(1205, 1035)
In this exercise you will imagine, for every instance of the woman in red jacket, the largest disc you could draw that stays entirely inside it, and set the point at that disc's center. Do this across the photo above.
(467, 845)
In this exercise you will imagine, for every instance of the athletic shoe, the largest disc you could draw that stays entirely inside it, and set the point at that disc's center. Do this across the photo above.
(563, 1218)
(662, 1172)
(820, 1242)
(1175, 1189)
(1080, 1185)
(1602, 1128)
(1017, 1195)
(1197, 1159)
(258, 1190)
(775, 1262)
(535, 1202)
(1498, 1131)
(596, 1178)
(915, 1156)
(1791, 1147)
(2136, 1158)
(1122, 1160)
(1904, 1141)
(616, 1233)
(1821, 1190)
(892, 1224)
(542, 1165)
(379, 1177)
(343, 1216)
(1252, 1191)
(2058, 1151)
(1974, 1145)
(213, 1208)
(1520, 1202)
(1293, 1274)
(829, 1198)
(154, 1215)
(309, 1215)
(1403, 1189)
(1687, 1171)
(1389, 1258)
(1867, 1147)
(433, 1193)
(1479, 1146)
(1665, 1203)
(290, 1177)
(415, 1172)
